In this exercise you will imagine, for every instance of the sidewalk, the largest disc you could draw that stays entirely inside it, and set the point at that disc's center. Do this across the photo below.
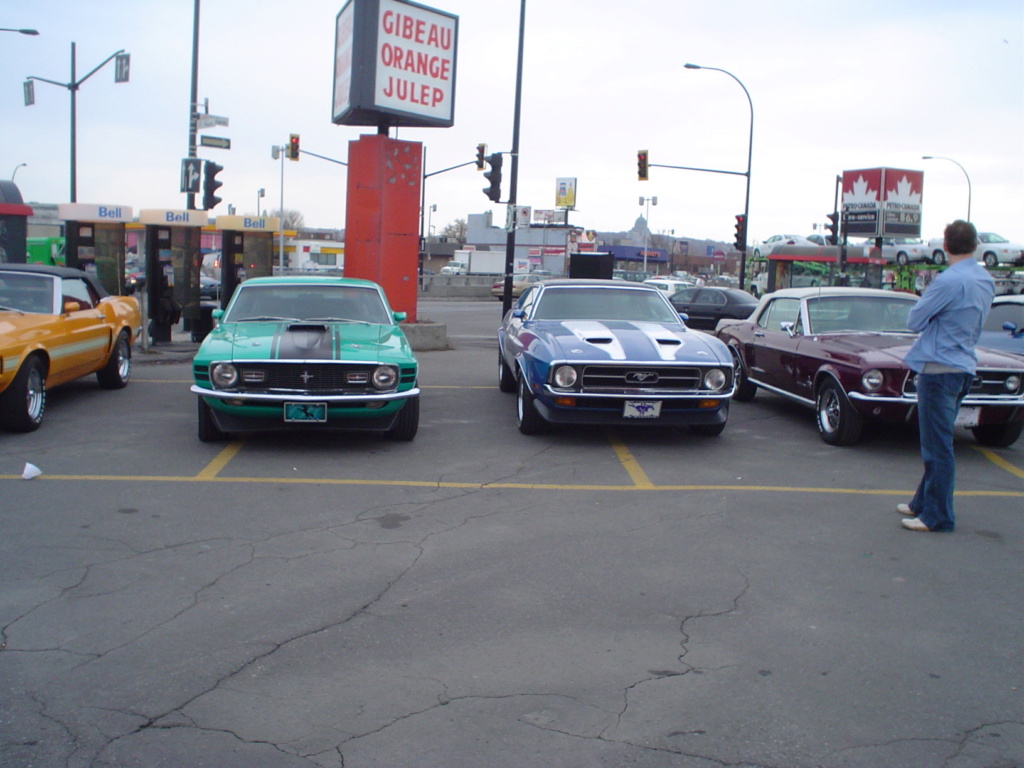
(180, 349)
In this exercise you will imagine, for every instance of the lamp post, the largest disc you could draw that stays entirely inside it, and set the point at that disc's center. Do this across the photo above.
(20, 31)
(935, 157)
(120, 76)
(19, 165)
(647, 222)
(750, 154)
(260, 195)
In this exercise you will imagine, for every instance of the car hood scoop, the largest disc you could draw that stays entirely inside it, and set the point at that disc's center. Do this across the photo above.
(305, 341)
(625, 340)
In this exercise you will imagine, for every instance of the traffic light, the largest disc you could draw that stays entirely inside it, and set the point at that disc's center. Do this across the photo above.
(833, 228)
(293, 146)
(641, 164)
(741, 232)
(494, 176)
(480, 149)
(210, 184)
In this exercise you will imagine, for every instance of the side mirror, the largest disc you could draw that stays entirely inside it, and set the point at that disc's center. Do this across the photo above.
(399, 316)
(1008, 326)
(788, 328)
(71, 306)
(683, 316)
(518, 313)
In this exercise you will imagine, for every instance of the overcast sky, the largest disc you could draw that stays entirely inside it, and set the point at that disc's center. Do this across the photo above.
(835, 86)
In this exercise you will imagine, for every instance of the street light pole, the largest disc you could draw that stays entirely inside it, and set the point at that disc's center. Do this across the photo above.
(935, 157)
(21, 31)
(750, 155)
(73, 87)
(15, 171)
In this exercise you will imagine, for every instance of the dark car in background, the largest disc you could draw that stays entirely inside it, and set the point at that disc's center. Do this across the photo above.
(705, 306)
(840, 351)
(610, 352)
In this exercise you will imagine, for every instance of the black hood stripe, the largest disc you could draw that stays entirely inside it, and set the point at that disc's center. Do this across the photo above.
(304, 342)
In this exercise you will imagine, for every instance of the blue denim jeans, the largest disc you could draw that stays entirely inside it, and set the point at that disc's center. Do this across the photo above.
(938, 399)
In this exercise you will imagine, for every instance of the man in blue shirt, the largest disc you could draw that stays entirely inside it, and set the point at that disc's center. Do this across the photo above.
(949, 317)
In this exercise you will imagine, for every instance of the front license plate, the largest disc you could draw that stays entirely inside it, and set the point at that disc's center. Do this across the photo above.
(967, 416)
(642, 409)
(305, 411)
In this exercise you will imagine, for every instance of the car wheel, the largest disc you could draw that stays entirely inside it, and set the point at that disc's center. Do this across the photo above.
(208, 430)
(745, 389)
(998, 435)
(118, 370)
(506, 379)
(838, 421)
(902, 259)
(938, 257)
(408, 422)
(23, 402)
(991, 260)
(528, 418)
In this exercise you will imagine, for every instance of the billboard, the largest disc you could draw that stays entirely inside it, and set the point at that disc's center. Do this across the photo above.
(882, 202)
(565, 192)
(394, 64)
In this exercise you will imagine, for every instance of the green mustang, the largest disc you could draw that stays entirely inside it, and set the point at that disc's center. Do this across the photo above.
(306, 353)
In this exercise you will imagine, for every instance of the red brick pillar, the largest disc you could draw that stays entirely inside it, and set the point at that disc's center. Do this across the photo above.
(382, 217)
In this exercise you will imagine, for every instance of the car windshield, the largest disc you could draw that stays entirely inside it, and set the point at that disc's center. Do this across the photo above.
(858, 314)
(21, 292)
(308, 303)
(595, 303)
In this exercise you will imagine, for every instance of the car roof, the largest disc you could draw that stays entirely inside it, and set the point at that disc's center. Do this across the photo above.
(56, 271)
(803, 293)
(578, 282)
(309, 280)
(1009, 298)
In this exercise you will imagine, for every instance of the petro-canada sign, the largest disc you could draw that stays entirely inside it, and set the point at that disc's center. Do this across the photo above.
(394, 64)
(882, 202)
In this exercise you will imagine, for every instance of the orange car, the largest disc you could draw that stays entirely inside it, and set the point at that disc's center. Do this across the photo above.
(58, 324)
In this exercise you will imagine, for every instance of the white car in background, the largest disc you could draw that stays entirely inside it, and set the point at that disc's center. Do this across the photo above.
(669, 285)
(902, 250)
(776, 240)
(993, 250)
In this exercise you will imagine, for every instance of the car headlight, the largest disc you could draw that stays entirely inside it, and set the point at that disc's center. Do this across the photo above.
(384, 377)
(1012, 383)
(224, 375)
(565, 377)
(872, 380)
(715, 379)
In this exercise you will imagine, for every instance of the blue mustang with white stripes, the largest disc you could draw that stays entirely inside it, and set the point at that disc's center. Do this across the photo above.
(610, 352)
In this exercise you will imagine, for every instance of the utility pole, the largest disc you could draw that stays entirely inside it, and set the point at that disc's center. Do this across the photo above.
(510, 241)
(193, 108)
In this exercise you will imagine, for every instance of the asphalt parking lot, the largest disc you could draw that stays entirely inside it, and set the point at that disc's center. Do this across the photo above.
(481, 599)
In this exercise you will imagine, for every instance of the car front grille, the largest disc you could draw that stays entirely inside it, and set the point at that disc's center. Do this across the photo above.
(641, 380)
(987, 383)
(314, 378)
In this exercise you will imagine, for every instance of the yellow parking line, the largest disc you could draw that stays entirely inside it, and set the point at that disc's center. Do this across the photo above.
(1000, 462)
(629, 463)
(211, 470)
(209, 475)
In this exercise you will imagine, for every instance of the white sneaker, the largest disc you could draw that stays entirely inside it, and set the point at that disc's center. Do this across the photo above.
(905, 510)
(915, 524)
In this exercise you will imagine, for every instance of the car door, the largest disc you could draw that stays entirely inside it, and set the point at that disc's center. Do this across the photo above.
(515, 342)
(707, 309)
(773, 350)
(86, 333)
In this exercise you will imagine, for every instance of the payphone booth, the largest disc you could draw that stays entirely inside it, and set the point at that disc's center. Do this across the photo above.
(247, 250)
(13, 224)
(95, 241)
(173, 262)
